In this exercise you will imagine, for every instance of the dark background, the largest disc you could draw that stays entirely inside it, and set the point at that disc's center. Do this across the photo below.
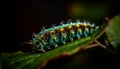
(27, 16)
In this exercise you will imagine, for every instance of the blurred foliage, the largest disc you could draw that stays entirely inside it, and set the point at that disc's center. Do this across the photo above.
(113, 32)
(91, 11)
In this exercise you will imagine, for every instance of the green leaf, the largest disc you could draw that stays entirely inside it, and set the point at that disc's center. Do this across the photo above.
(33, 60)
(89, 58)
(113, 32)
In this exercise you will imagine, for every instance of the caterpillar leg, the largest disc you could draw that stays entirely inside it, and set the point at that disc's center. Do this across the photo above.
(53, 39)
(71, 35)
(86, 32)
(78, 33)
(40, 47)
(78, 36)
(41, 50)
(63, 37)
(53, 44)
(91, 31)
(56, 39)
(44, 42)
(46, 45)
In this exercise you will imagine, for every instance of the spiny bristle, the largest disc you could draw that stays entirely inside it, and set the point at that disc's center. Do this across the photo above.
(43, 28)
(53, 25)
(69, 21)
(88, 23)
(62, 22)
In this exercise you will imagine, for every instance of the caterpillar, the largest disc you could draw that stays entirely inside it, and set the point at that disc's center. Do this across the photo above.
(56, 36)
